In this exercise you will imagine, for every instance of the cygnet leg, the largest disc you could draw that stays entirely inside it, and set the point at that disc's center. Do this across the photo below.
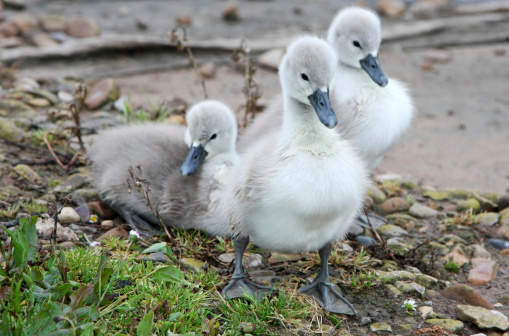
(321, 289)
(239, 285)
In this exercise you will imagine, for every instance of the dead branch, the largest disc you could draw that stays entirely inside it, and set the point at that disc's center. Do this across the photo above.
(80, 94)
(64, 167)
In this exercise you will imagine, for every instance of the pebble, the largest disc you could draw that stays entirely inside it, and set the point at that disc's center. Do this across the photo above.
(115, 232)
(451, 239)
(503, 202)
(504, 253)
(276, 257)
(43, 40)
(425, 280)
(487, 219)
(263, 276)
(193, 264)
(411, 288)
(355, 229)
(53, 23)
(380, 326)
(448, 324)
(184, 20)
(80, 27)
(156, 257)
(208, 70)
(8, 29)
(68, 215)
(104, 91)
(107, 224)
(466, 205)
(366, 241)
(439, 248)
(438, 56)
(395, 204)
(480, 252)
(28, 173)
(483, 318)
(45, 227)
(437, 195)
(44, 94)
(84, 212)
(396, 275)
(65, 97)
(84, 195)
(227, 257)
(230, 12)
(15, 4)
(17, 109)
(459, 254)
(9, 130)
(393, 290)
(483, 272)
(426, 311)
(405, 221)
(422, 211)
(26, 84)
(271, 58)
(391, 8)
(365, 321)
(391, 230)
(466, 294)
(25, 22)
(252, 260)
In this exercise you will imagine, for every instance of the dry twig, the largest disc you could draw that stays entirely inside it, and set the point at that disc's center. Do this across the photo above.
(64, 167)
(55, 220)
(80, 94)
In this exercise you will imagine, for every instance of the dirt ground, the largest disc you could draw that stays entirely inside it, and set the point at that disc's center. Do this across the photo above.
(459, 138)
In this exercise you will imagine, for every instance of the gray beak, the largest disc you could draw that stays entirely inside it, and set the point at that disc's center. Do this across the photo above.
(193, 160)
(371, 65)
(321, 103)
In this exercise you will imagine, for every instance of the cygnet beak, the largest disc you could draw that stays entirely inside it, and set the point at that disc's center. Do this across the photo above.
(371, 65)
(321, 103)
(193, 160)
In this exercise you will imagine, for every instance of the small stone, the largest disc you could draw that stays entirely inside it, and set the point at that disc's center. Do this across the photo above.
(451, 239)
(9, 130)
(504, 253)
(271, 58)
(84, 212)
(480, 252)
(460, 254)
(53, 23)
(365, 321)
(115, 232)
(184, 20)
(376, 194)
(84, 195)
(438, 56)
(391, 8)
(46, 226)
(25, 22)
(14, 4)
(483, 318)
(483, 272)
(208, 70)
(276, 257)
(68, 215)
(101, 209)
(396, 275)
(28, 173)
(393, 290)
(448, 324)
(380, 326)
(17, 109)
(176, 119)
(43, 40)
(422, 211)
(503, 202)
(67, 245)
(227, 257)
(405, 221)
(80, 27)
(423, 10)
(437, 195)
(426, 66)
(425, 280)
(426, 311)
(466, 294)
(355, 229)
(390, 230)
(411, 288)
(395, 204)
(104, 91)
(366, 241)
(439, 248)
(44, 94)
(123, 11)
(193, 264)
(246, 327)
(230, 13)
(65, 97)
(487, 219)
(466, 205)
(156, 257)
(252, 260)
(107, 224)
(37, 102)
(8, 29)
(399, 245)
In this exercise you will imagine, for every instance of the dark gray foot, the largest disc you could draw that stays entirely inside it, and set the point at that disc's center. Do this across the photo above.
(240, 287)
(328, 298)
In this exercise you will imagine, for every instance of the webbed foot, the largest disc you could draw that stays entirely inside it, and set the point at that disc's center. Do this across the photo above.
(328, 298)
(240, 287)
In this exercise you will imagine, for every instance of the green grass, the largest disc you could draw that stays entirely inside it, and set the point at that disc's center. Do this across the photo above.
(110, 290)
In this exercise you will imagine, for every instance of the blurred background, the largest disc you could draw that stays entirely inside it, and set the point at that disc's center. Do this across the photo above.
(453, 55)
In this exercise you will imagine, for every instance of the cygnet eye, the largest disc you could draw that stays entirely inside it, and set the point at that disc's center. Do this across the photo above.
(304, 77)
(213, 136)
(357, 44)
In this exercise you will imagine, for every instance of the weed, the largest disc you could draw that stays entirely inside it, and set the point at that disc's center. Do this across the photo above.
(364, 280)
(391, 188)
(11, 211)
(34, 207)
(465, 218)
(452, 267)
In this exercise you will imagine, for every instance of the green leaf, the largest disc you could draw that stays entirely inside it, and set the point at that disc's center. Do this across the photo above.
(20, 254)
(156, 248)
(174, 317)
(146, 324)
(43, 323)
(60, 291)
(30, 232)
(170, 273)
(79, 295)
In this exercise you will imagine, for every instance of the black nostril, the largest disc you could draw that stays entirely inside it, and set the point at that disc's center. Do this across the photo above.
(195, 157)
(373, 66)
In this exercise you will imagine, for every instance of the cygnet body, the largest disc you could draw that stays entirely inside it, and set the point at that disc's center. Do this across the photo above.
(298, 188)
(164, 155)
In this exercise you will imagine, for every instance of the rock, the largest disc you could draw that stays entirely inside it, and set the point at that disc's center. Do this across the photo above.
(411, 288)
(101, 209)
(271, 58)
(393, 290)
(276, 257)
(9, 131)
(405, 221)
(480, 252)
(471, 203)
(53, 23)
(78, 180)
(487, 219)
(208, 70)
(380, 326)
(399, 245)
(156, 257)
(16, 109)
(65, 97)
(84, 212)
(460, 254)
(43, 40)
(423, 10)
(503, 202)
(366, 241)
(391, 8)
(263, 276)
(193, 264)
(483, 272)
(25, 22)
(396, 275)
(437, 195)
(45, 227)
(252, 260)
(439, 248)
(422, 211)
(80, 26)
(365, 321)
(107, 224)
(438, 56)
(376, 194)
(68, 215)
(106, 90)
(355, 229)
(448, 324)
(44, 94)
(8, 29)
(466, 294)
(115, 232)
(425, 280)
(84, 195)
(227, 257)
(28, 173)
(406, 182)
(184, 20)
(395, 204)
(483, 318)
(14, 4)
(390, 230)
(230, 13)
(37, 102)
(451, 239)
(426, 311)
(504, 253)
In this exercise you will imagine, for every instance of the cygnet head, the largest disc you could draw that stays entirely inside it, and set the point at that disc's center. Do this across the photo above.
(306, 73)
(211, 130)
(355, 34)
